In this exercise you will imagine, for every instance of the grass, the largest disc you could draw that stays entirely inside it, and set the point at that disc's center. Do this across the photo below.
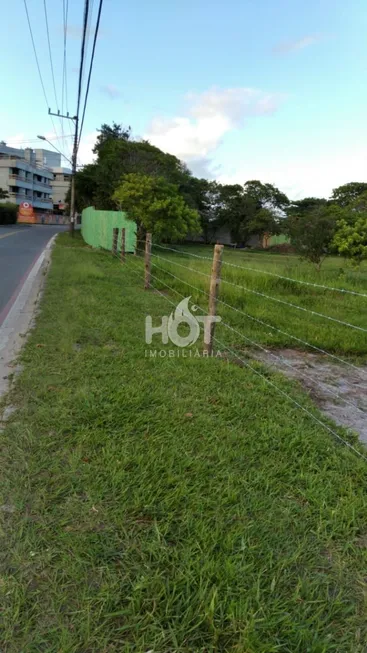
(325, 334)
(168, 504)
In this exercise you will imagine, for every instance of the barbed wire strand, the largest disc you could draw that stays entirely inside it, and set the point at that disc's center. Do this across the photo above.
(255, 319)
(254, 342)
(261, 294)
(272, 274)
(275, 387)
(246, 314)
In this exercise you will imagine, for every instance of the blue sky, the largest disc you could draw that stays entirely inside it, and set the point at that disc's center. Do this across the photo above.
(268, 89)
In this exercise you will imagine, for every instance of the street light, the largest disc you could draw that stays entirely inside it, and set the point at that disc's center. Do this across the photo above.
(43, 138)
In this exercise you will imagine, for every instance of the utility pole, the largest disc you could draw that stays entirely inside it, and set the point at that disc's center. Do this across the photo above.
(75, 120)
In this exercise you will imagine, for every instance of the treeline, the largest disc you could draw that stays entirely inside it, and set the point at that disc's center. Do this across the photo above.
(162, 195)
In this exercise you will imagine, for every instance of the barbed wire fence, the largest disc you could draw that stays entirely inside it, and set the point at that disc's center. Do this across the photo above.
(152, 279)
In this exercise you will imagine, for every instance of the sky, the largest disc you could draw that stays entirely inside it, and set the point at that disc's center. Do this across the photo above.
(273, 90)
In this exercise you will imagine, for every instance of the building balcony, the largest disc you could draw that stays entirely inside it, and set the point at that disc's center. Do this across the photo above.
(41, 203)
(37, 202)
(39, 185)
(18, 180)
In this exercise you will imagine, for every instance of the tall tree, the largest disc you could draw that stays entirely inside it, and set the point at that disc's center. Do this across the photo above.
(300, 207)
(266, 196)
(236, 211)
(204, 196)
(156, 206)
(348, 193)
(118, 155)
(111, 132)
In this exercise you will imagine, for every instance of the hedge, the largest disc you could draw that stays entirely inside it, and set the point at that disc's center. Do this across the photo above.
(8, 213)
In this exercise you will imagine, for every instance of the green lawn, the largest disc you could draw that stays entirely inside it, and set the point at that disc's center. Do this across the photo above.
(168, 505)
(281, 321)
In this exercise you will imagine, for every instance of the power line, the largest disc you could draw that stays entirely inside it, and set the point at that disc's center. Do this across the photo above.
(36, 140)
(88, 34)
(50, 53)
(82, 55)
(91, 67)
(37, 62)
(35, 53)
(64, 89)
(76, 120)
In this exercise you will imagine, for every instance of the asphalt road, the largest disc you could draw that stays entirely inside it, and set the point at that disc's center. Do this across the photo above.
(20, 247)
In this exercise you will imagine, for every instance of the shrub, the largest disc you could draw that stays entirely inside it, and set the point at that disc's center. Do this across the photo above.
(8, 213)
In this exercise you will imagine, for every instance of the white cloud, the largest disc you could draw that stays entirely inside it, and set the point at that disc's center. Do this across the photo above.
(85, 153)
(306, 176)
(196, 135)
(112, 91)
(292, 46)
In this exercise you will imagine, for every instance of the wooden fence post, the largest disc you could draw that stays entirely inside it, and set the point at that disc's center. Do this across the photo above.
(213, 295)
(147, 265)
(115, 235)
(123, 244)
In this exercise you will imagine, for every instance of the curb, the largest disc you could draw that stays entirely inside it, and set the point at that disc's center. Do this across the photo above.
(15, 328)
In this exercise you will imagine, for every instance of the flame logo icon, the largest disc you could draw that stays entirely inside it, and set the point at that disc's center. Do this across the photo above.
(183, 315)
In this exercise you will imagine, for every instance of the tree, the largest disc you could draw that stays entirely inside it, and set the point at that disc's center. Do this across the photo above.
(350, 240)
(156, 206)
(3, 194)
(305, 205)
(236, 211)
(264, 221)
(254, 208)
(85, 187)
(106, 133)
(204, 196)
(266, 196)
(311, 233)
(118, 155)
(348, 193)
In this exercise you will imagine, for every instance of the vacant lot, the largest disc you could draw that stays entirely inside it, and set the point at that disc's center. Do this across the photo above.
(169, 505)
(276, 315)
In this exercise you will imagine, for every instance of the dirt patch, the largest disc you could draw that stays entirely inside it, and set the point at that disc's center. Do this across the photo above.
(339, 391)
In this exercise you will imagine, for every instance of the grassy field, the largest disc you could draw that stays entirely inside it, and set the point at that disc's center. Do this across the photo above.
(168, 505)
(317, 331)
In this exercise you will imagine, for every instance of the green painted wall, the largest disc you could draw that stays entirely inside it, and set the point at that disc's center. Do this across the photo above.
(280, 239)
(97, 228)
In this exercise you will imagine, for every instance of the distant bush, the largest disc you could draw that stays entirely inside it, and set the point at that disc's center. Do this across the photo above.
(281, 248)
(8, 213)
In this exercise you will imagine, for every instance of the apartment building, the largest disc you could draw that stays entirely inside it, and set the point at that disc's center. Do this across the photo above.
(62, 177)
(48, 158)
(60, 186)
(24, 179)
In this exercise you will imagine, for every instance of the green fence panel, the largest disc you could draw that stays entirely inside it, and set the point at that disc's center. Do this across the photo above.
(279, 239)
(97, 228)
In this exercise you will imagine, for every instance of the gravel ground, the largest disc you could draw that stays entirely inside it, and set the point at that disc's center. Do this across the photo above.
(339, 391)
